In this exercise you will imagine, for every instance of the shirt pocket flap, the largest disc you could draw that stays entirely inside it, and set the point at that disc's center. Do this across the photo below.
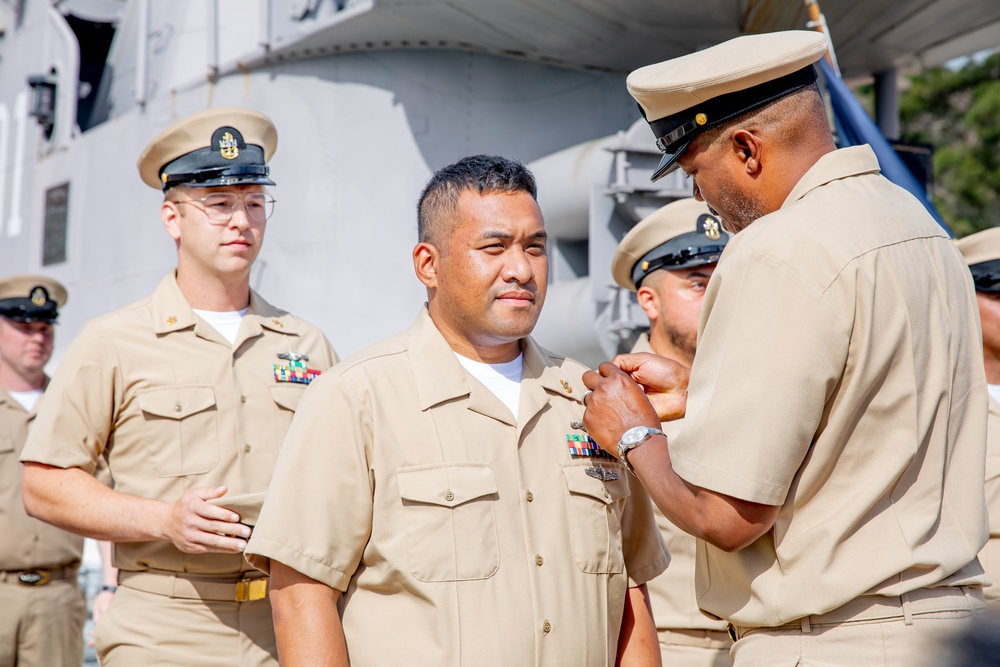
(175, 402)
(446, 485)
(607, 491)
(287, 397)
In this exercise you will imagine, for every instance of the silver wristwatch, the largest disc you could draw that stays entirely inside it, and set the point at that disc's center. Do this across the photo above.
(631, 439)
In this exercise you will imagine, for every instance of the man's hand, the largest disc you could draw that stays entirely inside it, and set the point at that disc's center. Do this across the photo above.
(195, 526)
(664, 380)
(614, 404)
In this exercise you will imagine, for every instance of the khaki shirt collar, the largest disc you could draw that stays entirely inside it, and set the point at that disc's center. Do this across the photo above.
(440, 377)
(171, 312)
(841, 163)
(7, 399)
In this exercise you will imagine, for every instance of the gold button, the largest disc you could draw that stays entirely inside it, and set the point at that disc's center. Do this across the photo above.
(277, 324)
(243, 399)
(529, 496)
(606, 495)
(247, 448)
(449, 496)
(178, 408)
(171, 320)
(538, 559)
(546, 627)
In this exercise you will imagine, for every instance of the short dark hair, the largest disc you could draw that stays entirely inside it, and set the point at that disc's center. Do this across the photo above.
(483, 174)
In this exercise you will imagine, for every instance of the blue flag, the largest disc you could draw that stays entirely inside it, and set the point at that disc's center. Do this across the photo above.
(854, 127)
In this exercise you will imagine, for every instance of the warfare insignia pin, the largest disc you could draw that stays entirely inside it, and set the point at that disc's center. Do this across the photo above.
(584, 445)
(710, 226)
(296, 371)
(602, 473)
(229, 148)
(293, 356)
(39, 296)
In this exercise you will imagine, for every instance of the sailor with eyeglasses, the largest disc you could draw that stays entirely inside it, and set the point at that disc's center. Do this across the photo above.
(187, 394)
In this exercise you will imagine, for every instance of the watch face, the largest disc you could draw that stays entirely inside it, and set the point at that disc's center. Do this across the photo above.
(634, 435)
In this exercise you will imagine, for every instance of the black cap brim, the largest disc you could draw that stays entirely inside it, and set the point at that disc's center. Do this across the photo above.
(668, 163)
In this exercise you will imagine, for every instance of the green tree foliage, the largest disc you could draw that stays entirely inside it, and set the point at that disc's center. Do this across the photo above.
(958, 112)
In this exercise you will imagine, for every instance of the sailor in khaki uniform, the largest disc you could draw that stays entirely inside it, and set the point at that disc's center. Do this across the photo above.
(982, 252)
(42, 609)
(188, 394)
(668, 259)
(453, 514)
(840, 499)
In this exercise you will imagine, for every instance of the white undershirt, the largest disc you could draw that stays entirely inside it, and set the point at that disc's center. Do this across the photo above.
(27, 399)
(504, 380)
(225, 322)
(994, 390)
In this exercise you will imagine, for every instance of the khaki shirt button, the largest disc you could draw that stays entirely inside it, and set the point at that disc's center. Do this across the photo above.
(243, 399)
(539, 560)
(606, 495)
(449, 496)
(247, 448)
(178, 408)
(529, 496)
(546, 627)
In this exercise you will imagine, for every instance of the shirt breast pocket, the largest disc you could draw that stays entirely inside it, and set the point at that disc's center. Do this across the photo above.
(448, 512)
(595, 508)
(181, 431)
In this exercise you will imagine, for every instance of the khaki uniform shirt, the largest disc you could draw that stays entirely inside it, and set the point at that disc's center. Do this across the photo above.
(26, 542)
(990, 555)
(839, 341)
(459, 535)
(174, 406)
(672, 593)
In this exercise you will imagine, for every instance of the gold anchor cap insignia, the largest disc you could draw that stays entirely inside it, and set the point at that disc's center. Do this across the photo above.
(39, 296)
(229, 148)
(711, 227)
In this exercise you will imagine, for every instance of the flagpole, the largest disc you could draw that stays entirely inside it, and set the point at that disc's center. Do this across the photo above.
(817, 22)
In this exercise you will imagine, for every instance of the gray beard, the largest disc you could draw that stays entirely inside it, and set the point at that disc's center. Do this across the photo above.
(741, 209)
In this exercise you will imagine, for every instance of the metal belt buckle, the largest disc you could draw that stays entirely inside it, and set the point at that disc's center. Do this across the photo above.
(248, 590)
(33, 577)
(732, 632)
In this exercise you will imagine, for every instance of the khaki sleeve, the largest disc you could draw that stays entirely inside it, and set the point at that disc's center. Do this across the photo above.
(771, 351)
(642, 545)
(317, 515)
(78, 411)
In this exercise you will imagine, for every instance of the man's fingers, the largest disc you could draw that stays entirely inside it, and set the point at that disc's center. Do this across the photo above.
(206, 492)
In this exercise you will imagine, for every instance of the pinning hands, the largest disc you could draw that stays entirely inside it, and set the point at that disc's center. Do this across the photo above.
(632, 390)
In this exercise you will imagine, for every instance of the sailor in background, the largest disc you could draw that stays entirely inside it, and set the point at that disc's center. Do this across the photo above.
(188, 394)
(668, 259)
(982, 253)
(42, 609)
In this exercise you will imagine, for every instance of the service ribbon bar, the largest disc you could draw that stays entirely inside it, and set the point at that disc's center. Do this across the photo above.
(584, 445)
(295, 371)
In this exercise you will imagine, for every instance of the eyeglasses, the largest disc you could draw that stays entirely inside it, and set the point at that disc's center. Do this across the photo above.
(220, 206)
